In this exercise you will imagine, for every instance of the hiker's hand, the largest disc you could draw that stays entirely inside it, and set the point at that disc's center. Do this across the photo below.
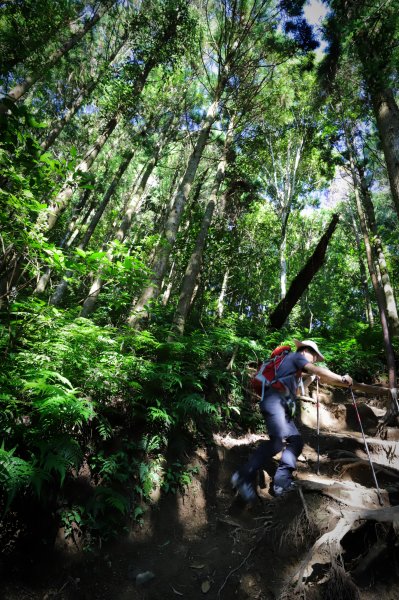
(347, 379)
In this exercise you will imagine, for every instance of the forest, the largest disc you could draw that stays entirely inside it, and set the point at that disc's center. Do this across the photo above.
(184, 186)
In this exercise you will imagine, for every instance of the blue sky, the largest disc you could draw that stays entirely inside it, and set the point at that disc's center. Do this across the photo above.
(315, 11)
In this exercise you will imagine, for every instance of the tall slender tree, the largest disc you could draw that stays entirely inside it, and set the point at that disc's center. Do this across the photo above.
(19, 90)
(241, 43)
(194, 263)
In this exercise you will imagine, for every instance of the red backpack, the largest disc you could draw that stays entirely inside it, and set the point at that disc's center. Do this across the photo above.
(266, 375)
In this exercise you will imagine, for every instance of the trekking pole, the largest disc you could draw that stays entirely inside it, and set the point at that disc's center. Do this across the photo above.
(367, 448)
(318, 426)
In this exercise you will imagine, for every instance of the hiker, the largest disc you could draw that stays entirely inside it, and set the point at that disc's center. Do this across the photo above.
(278, 409)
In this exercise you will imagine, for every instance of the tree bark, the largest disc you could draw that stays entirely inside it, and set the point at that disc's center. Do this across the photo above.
(386, 113)
(283, 256)
(57, 126)
(122, 231)
(49, 217)
(62, 287)
(363, 275)
(392, 311)
(222, 295)
(152, 291)
(284, 181)
(168, 289)
(359, 179)
(22, 88)
(301, 282)
(389, 351)
(45, 277)
(195, 262)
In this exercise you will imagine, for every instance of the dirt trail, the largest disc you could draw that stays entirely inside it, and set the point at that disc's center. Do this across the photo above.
(207, 544)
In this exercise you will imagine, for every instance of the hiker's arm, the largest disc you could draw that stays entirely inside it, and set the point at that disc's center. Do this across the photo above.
(328, 375)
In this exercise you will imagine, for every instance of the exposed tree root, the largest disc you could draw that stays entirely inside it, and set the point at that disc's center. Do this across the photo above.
(328, 547)
(301, 529)
(382, 444)
(288, 593)
(351, 494)
(353, 463)
(389, 451)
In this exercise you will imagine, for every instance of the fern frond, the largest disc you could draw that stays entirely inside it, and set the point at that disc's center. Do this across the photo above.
(59, 455)
(159, 414)
(195, 404)
(105, 497)
(17, 473)
(104, 428)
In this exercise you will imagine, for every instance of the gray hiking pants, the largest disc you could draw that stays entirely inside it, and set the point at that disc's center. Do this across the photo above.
(282, 432)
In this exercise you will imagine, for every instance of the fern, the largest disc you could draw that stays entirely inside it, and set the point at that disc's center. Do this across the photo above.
(17, 474)
(48, 375)
(57, 404)
(104, 428)
(195, 405)
(149, 443)
(59, 455)
(105, 498)
(156, 413)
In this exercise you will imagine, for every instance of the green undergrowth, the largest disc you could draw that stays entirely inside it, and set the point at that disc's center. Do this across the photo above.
(94, 418)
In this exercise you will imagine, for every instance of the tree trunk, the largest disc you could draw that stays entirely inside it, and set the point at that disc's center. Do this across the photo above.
(122, 231)
(392, 311)
(303, 279)
(366, 221)
(389, 351)
(77, 218)
(283, 256)
(386, 112)
(45, 277)
(363, 275)
(195, 262)
(222, 295)
(49, 217)
(139, 310)
(168, 289)
(63, 285)
(358, 176)
(57, 126)
(22, 88)
(192, 271)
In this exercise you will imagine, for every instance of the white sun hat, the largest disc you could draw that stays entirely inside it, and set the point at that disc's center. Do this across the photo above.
(309, 344)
